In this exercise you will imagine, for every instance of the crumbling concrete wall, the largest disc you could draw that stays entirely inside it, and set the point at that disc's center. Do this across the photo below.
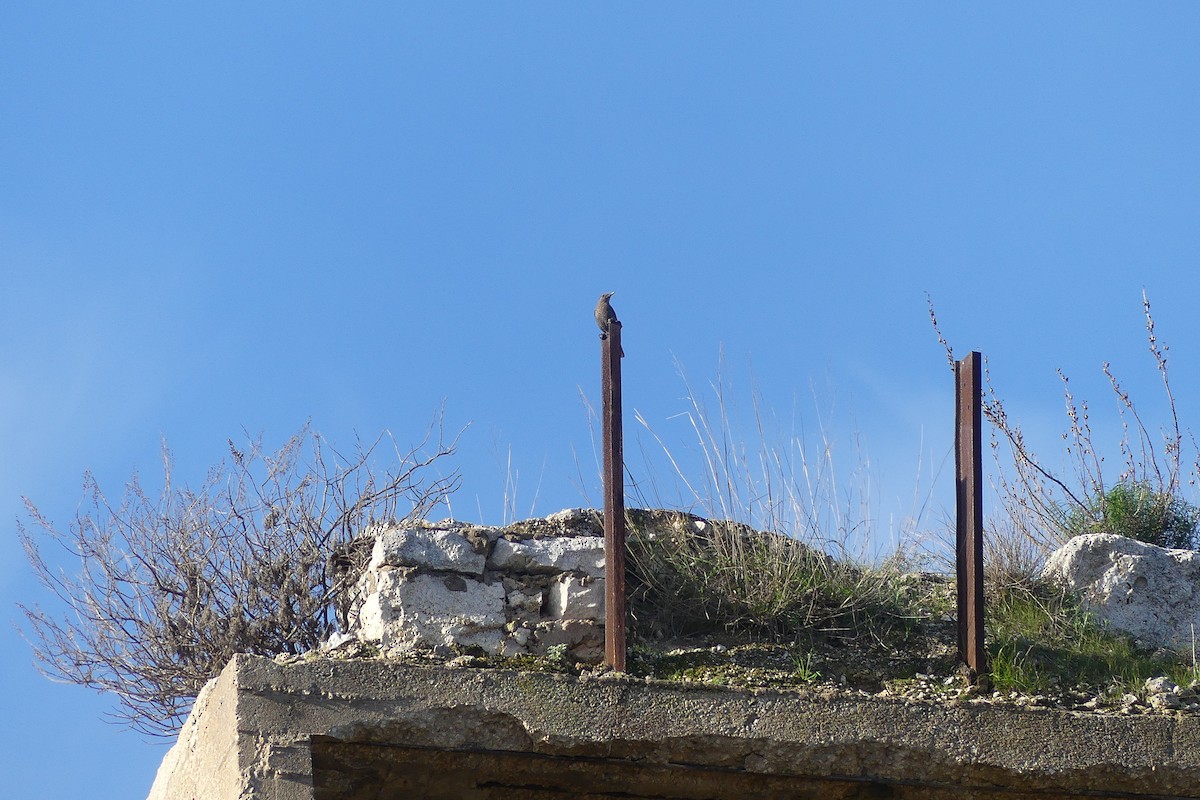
(522, 589)
(330, 729)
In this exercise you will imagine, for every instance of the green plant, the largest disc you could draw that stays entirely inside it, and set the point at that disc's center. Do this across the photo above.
(1040, 640)
(557, 653)
(776, 568)
(804, 668)
(1137, 510)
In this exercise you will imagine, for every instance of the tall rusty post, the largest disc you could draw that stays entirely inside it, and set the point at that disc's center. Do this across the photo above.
(968, 462)
(614, 499)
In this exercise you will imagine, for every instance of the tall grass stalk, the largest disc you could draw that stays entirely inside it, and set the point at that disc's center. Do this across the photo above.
(809, 573)
(772, 480)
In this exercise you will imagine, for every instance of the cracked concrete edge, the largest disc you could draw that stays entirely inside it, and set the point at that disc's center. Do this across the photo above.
(205, 760)
(275, 710)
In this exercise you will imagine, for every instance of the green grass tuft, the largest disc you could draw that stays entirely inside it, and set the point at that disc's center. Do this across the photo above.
(1040, 641)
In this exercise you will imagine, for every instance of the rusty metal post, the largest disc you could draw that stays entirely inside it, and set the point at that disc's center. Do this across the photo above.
(968, 462)
(614, 499)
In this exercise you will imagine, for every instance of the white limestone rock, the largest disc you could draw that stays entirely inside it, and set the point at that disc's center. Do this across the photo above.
(1161, 685)
(1151, 593)
(524, 603)
(428, 549)
(405, 611)
(582, 554)
(520, 636)
(516, 642)
(575, 517)
(571, 514)
(573, 597)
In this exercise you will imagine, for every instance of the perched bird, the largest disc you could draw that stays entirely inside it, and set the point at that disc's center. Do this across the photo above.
(604, 313)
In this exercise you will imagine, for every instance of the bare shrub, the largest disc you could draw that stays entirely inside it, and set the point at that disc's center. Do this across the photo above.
(1011, 561)
(1045, 508)
(170, 587)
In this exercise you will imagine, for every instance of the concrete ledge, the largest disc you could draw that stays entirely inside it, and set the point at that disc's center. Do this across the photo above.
(347, 729)
(205, 760)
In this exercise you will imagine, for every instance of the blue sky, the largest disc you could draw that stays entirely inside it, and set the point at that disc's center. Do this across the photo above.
(217, 218)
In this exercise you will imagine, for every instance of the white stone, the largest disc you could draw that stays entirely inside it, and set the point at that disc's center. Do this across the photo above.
(509, 648)
(570, 517)
(584, 554)
(427, 549)
(1164, 701)
(1146, 591)
(577, 598)
(199, 758)
(432, 610)
(516, 642)
(336, 640)
(1161, 685)
(522, 602)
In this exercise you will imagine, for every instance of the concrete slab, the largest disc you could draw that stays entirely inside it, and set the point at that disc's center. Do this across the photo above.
(346, 729)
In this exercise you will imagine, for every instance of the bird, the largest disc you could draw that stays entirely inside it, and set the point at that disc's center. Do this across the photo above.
(604, 313)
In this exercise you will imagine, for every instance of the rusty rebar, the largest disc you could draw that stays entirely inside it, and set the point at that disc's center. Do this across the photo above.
(968, 463)
(614, 497)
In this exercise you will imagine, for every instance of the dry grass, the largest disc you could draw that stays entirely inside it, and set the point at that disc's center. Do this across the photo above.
(805, 575)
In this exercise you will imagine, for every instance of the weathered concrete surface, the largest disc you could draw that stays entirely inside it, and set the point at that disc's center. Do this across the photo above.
(343, 730)
(583, 554)
(437, 609)
(206, 758)
(440, 550)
